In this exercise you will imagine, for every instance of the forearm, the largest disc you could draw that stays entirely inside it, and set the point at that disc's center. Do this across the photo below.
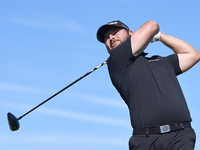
(187, 54)
(177, 45)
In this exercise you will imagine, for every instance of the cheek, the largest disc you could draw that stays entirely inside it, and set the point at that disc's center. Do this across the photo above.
(108, 47)
(107, 43)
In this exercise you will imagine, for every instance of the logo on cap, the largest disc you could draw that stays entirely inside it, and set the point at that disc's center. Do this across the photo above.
(110, 23)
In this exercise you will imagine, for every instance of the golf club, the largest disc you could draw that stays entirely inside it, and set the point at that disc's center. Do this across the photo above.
(14, 122)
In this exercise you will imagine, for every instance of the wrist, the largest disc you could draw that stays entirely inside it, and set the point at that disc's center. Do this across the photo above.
(156, 37)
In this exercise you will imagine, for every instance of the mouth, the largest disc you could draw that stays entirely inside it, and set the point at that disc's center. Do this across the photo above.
(113, 43)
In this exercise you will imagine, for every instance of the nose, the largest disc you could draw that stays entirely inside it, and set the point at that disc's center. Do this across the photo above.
(111, 37)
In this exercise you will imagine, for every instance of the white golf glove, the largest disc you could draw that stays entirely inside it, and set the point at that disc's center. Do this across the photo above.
(156, 37)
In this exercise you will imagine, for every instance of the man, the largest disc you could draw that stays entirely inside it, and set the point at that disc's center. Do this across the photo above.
(158, 110)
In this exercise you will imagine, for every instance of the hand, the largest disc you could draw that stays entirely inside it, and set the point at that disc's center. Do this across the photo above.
(156, 37)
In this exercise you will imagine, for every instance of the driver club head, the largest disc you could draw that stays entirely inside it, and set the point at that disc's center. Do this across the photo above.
(13, 122)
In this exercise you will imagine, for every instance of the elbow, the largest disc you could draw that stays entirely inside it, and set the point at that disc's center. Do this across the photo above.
(154, 26)
(198, 56)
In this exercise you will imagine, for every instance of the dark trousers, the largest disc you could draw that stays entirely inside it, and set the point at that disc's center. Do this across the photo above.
(179, 140)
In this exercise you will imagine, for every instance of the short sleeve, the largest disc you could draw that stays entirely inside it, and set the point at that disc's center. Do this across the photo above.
(174, 62)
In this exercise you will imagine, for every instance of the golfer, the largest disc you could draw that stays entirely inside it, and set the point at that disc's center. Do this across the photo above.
(158, 111)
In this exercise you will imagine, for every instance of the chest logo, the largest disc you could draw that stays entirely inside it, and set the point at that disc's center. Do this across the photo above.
(154, 60)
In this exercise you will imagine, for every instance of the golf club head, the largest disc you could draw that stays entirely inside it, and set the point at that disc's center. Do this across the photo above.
(13, 122)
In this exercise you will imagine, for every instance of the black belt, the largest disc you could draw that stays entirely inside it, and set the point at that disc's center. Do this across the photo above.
(161, 129)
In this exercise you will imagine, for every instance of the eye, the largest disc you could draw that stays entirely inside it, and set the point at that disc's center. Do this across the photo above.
(115, 32)
(111, 33)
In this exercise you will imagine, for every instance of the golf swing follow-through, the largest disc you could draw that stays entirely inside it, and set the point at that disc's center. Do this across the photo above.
(14, 121)
(159, 114)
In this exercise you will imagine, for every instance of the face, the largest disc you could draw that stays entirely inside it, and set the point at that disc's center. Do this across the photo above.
(114, 37)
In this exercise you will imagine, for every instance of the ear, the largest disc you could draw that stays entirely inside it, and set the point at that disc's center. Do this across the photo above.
(130, 32)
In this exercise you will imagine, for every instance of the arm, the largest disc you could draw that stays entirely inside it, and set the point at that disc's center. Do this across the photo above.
(187, 54)
(143, 36)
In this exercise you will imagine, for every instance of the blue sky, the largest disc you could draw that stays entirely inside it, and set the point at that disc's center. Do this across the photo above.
(45, 45)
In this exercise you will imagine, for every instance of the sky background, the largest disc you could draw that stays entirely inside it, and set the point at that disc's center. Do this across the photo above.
(47, 44)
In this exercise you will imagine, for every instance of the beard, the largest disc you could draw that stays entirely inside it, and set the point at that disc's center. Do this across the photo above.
(115, 43)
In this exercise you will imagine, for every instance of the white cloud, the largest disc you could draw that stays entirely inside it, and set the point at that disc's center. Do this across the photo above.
(69, 114)
(49, 22)
(61, 139)
(99, 100)
(85, 117)
(20, 88)
(86, 97)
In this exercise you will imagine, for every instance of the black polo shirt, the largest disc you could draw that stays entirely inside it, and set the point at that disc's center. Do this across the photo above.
(148, 86)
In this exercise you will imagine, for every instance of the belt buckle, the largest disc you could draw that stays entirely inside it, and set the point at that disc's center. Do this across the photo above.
(165, 129)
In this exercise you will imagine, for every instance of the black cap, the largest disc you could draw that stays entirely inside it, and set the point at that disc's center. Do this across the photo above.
(101, 31)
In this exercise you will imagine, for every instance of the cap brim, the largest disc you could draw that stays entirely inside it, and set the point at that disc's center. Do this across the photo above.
(101, 32)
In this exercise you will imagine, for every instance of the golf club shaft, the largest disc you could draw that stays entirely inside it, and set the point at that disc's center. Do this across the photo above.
(62, 90)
